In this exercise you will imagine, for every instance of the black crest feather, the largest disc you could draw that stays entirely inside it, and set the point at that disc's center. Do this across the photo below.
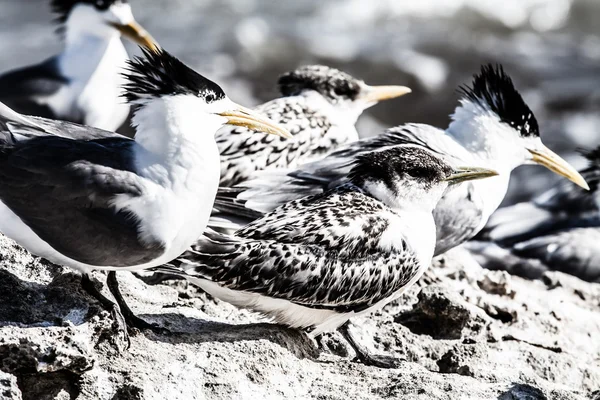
(399, 162)
(493, 88)
(158, 74)
(329, 82)
(593, 156)
(63, 7)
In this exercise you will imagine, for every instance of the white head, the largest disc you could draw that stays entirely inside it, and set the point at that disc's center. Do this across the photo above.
(349, 95)
(494, 122)
(172, 98)
(100, 18)
(409, 177)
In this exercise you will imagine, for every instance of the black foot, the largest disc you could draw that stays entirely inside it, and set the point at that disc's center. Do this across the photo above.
(158, 278)
(364, 356)
(90, 288)
(133, 321)
(379, 361)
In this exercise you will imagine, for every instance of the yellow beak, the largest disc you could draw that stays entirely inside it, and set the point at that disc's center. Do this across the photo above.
(242, 116)
(374, 94)
(555, 163)
(463, 174)
(137, 34)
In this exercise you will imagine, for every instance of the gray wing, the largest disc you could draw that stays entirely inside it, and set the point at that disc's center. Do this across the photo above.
(243, 152)
(63, 189)
(309, 253)
(20, 89)
(565, 206)
(574, 251)
(457, 217)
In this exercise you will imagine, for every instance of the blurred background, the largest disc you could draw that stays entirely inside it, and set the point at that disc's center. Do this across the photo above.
(551, 48)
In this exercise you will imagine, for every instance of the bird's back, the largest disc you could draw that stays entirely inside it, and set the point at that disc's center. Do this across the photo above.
(25, 89)
(244, 152)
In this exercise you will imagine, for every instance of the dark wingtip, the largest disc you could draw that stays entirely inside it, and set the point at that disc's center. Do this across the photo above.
(593, 156)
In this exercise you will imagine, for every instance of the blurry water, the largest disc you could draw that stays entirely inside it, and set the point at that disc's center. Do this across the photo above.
(550, 47)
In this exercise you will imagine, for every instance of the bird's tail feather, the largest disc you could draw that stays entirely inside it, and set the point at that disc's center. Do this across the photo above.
(8, 115)
(212, 250)
(515, 223)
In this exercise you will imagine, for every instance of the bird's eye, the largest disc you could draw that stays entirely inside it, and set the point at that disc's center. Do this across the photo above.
(209, 98)
(101, 4)
(340, 91)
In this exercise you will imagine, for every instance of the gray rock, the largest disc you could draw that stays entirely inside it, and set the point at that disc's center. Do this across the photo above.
(57, 343)
(9, 389)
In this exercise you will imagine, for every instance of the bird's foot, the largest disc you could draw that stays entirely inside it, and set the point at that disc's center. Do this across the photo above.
(363, 355)
(133, 322)
(379, 361)
(121, 324)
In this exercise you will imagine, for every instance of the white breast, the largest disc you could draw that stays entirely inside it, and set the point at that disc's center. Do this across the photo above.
(93, 67)
(178, 200)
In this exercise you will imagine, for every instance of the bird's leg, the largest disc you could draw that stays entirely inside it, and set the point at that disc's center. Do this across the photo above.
(88, 285)
(132, 320)
(363, 355)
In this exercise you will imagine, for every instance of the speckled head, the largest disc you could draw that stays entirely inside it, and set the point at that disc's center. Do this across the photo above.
(406, 174)
(493, 89)
(331, 83)
(400, 163)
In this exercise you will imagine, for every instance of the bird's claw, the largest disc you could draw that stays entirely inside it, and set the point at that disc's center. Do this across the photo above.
(379, 361)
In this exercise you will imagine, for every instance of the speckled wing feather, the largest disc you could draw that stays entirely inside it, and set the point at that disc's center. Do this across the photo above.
(243, 152)
(324, 251)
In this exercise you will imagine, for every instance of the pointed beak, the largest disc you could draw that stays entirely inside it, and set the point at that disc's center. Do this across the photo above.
(136, 33)
(242, 116)
(555, 163)
(463, 174)
(375, 94)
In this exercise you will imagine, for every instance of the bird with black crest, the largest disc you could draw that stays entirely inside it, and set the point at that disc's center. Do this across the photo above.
(94, 200)
(83, 83)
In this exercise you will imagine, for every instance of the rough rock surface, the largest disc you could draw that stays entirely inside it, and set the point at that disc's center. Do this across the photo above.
(465, 333)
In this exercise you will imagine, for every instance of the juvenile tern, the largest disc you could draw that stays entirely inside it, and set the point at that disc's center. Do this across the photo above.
(320, 106)
(83, 83)
(95, 200)
(316, 262)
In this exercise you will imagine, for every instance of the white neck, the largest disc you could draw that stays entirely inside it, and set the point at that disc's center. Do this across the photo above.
(167, 126)
(341, 114)
(406, 198)
(177, 155)
(490, 141)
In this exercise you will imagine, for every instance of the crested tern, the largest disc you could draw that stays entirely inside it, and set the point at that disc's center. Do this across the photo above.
(95, 200)
(83, 83)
